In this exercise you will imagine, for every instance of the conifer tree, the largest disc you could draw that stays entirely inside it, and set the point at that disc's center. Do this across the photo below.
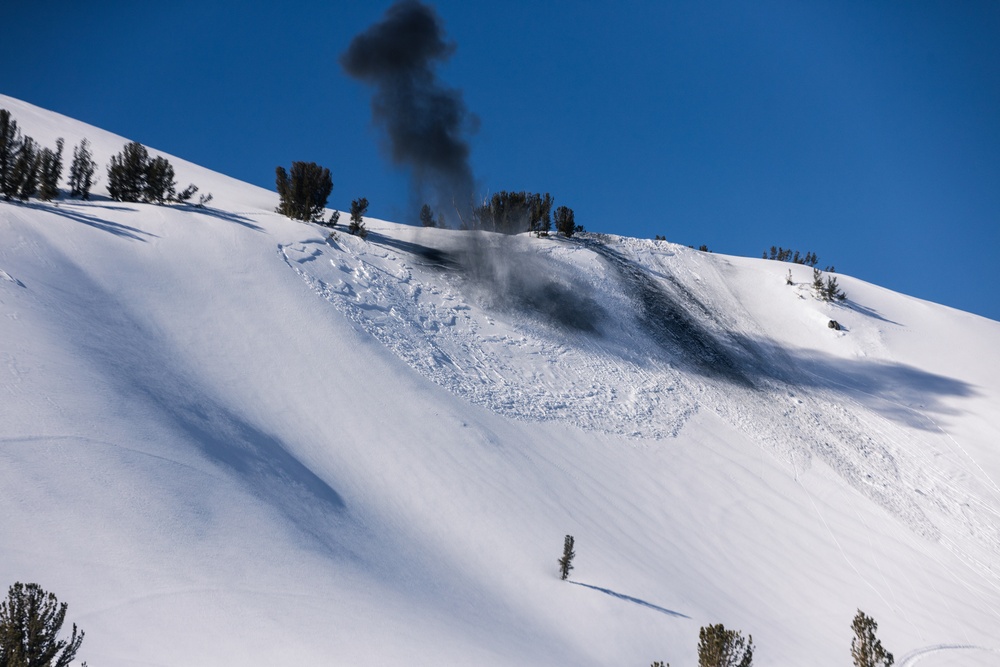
(186, 194)
(304, 193)
(540, 212)
(566, 562)
(30, 622)
(427, 216)
(24, 176)
(159, 185)
(718, 647)
(831, 290)
(515, 212)
(10, 146)
(50, 171)
(127, 173)
(818, 282)
(81, 171)
(565, 221)
(358, 209)
(866, 648)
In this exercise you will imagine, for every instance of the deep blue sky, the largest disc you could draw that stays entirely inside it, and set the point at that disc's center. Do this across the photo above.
(867, 131)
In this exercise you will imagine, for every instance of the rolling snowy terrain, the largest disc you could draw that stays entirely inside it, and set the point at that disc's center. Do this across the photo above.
(226, 439)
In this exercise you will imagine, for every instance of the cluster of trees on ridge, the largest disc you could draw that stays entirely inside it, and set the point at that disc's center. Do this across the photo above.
(134, 176)
(28, 170)
(517, 212)
(303, 192)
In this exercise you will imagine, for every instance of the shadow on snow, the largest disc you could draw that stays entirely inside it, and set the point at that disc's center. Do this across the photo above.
(629, 598)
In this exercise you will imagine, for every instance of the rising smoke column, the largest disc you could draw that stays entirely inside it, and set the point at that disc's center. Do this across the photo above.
(425, 120)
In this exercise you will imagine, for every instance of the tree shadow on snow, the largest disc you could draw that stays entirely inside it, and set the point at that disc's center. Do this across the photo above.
(629, 598)
(72, 213)
(226, 216)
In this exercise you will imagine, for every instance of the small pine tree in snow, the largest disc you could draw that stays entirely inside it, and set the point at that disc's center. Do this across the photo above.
(10, 145)
(30, 621)
(81, 171)
(866, 648)
(831, 290)
(540, 219)
(828, 290)
(566, 562)
(50, 171)
(185, 195)
(566, 222)
(24, 176)
(718, 647)
(818, 282)
(358, 209)
(427, 216)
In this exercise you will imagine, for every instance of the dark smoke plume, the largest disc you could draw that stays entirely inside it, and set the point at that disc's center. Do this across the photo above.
(425, 120)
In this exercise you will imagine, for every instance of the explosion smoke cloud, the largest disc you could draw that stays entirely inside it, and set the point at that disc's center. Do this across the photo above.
(426, 121)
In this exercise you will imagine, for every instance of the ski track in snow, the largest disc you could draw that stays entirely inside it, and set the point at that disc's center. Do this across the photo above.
(447, 326)
(913, 657)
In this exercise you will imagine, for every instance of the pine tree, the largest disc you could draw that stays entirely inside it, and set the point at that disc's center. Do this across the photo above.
(30, 621)
(818, 282)
(81, 171)
(566, 221)
(515, 212)
(10, 146)
(866, 648)
(159, 186)
(127, 173)
(358, 209)
(24, 176)
(50, 171)
(540, 213)
(427, 216)
(718, 647)
(566, 562)
(304, 193)
(185, 195)
(831, 290)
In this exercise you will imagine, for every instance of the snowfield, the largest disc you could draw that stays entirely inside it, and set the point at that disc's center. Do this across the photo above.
(228, 439)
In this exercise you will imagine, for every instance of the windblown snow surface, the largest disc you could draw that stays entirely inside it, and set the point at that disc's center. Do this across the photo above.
(227, 439)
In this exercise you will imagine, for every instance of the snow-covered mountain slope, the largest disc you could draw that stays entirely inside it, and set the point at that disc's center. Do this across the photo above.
(225, 439)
